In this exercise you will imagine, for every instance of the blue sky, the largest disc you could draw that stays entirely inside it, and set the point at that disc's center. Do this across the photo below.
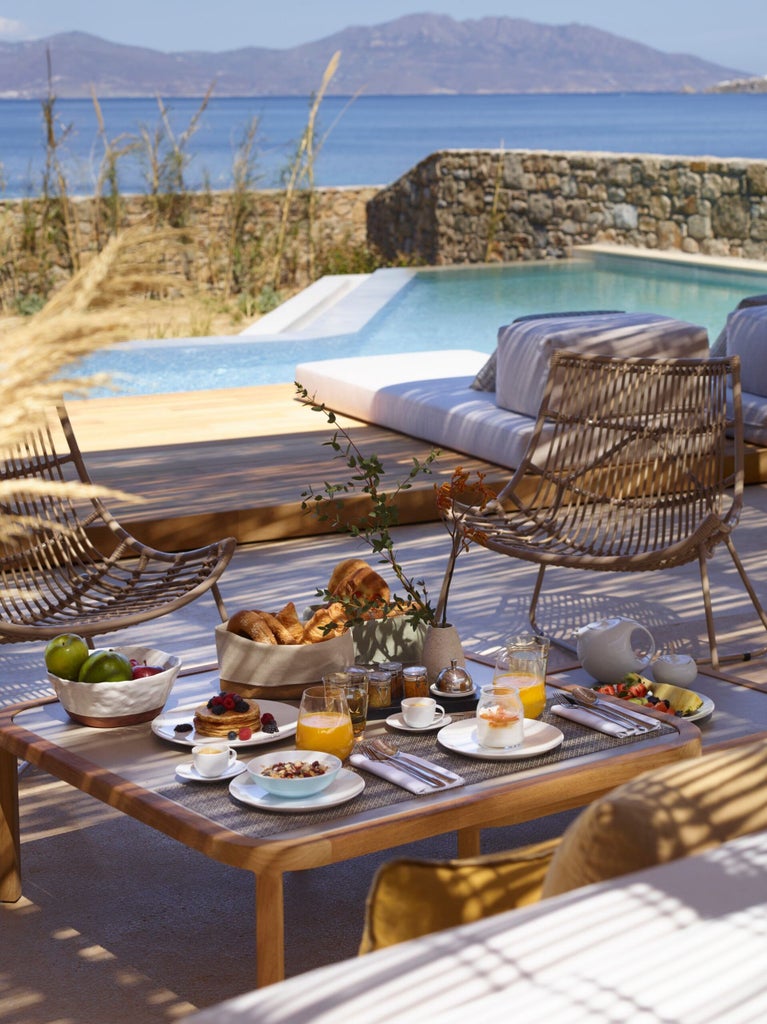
(731, 33)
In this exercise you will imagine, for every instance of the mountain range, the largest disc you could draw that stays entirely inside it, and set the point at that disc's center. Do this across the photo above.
(412, 55)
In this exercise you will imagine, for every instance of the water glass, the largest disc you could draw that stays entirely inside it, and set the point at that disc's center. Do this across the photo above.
(521, 664)
(354, 684)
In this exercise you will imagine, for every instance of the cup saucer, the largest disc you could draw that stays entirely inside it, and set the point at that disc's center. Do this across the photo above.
(398, 722)
(189, 773)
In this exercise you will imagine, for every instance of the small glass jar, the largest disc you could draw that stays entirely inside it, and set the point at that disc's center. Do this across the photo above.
(415, 681)
(500, 717)
(395, 669)
(379, 689)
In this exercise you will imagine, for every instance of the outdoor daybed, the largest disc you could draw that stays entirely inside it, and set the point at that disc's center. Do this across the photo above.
(463, 401)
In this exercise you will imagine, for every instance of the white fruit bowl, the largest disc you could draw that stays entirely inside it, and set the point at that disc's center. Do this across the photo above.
(108, 705)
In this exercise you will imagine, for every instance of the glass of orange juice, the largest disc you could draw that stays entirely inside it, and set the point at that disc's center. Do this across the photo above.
(324, 722)
(521, 664)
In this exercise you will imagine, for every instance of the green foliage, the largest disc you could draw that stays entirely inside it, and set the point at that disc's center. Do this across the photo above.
(366, 476)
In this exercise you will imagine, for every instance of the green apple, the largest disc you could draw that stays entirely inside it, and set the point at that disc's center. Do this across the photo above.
(106, 667)
(65, 655)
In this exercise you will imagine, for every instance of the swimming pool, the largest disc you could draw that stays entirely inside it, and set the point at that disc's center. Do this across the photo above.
(432, 309)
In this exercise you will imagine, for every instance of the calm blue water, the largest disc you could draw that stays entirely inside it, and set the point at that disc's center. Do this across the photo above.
(373, 140)
(460, 308)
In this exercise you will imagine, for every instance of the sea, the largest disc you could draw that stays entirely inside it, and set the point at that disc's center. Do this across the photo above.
(361, 140)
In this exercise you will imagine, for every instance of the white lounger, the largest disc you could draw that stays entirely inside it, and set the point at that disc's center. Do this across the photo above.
(433, 395)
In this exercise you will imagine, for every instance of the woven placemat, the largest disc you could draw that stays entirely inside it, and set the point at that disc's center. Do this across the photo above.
(215, 802)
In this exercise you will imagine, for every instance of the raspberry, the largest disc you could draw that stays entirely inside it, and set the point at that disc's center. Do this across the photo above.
(228, 702)
(266, 717)
(245, 732)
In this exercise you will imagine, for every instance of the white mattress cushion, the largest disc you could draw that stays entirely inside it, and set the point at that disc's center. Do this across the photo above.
(525, 348)
(423, 395)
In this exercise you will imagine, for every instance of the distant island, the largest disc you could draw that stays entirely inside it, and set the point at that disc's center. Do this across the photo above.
(419, 54)
(742, 85)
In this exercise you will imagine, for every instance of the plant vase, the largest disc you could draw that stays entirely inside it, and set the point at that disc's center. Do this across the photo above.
(441, 646)
(394, 639)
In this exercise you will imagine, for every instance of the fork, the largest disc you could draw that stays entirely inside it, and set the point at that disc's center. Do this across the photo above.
(389, 749)
(415, 771)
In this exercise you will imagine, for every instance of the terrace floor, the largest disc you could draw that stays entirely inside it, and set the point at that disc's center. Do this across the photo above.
(117, 924)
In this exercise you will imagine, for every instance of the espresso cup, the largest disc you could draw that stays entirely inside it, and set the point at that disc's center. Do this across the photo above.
(420, 712)
(212, 759)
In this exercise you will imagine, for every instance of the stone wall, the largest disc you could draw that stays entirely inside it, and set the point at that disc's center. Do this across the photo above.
(231, 235)
(469, 206)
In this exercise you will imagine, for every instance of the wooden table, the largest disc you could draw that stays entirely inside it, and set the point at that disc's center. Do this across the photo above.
(128, 769)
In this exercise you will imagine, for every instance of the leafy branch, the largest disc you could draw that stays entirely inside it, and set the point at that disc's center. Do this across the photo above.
(375, 527)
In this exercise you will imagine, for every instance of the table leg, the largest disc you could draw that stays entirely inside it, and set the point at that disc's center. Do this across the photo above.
(10, 845)
(469, 842)
(270, 929)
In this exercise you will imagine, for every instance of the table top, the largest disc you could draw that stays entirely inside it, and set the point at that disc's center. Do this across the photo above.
(133, 770)
(682, 942)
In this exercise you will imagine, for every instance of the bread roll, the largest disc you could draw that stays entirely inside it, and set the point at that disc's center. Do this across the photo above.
(334, 614)
(252, 626)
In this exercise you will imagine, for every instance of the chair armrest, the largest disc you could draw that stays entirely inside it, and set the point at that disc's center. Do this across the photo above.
(411, 897)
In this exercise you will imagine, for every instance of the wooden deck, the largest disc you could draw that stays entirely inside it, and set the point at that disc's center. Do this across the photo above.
(234, 463)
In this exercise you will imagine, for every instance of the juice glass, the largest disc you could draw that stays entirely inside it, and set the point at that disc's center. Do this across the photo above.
(521, 665)
(324, 722)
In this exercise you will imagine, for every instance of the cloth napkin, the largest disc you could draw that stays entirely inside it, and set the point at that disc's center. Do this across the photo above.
(387, 770)
(585, 717)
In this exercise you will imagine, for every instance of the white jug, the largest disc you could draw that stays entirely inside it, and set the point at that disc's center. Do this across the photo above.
(606, 651)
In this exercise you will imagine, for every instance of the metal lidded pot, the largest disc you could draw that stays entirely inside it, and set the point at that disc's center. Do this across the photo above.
(454, 679)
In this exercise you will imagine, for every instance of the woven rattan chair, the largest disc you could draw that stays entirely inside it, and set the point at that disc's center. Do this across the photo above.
(634, 465)
(55, 579)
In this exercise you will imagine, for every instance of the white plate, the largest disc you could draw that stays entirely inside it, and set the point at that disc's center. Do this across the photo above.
(706, 709)
(461, 737)
(398, 722)
(451, 694)
(188, 771)
(284, 715)
(345, 786)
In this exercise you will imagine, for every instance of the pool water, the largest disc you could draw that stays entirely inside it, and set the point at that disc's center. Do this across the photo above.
(446, 308)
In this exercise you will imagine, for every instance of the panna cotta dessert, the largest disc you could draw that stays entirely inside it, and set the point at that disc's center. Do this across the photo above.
(500, 724)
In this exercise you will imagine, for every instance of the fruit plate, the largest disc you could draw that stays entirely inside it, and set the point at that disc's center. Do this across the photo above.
(284, 715)
(344, 787)
(705, 710)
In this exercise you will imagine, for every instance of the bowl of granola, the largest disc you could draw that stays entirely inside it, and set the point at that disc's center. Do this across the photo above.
(294, 773)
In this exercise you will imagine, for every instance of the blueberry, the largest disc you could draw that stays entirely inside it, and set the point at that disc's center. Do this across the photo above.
(231, 735)
(218, 709)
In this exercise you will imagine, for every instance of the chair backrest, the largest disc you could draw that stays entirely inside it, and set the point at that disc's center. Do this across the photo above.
(635, 455)
(664, 814)
(46, 488)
